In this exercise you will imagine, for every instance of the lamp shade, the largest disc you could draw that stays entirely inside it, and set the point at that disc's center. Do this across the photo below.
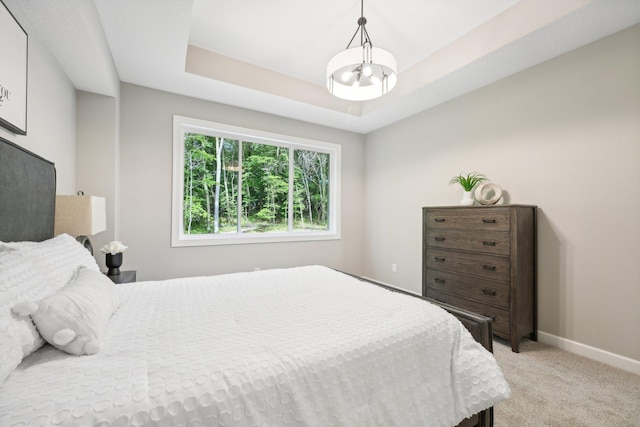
(361, 73)
(80, 215)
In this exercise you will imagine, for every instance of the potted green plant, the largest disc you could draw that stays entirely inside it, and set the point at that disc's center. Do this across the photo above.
(468, 182)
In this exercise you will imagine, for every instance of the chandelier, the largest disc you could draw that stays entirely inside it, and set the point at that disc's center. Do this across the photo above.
(362, 72)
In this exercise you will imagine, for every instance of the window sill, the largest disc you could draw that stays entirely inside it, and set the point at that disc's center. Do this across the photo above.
(218, 240)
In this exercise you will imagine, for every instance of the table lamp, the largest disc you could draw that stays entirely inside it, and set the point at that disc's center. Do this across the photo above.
(80, 216)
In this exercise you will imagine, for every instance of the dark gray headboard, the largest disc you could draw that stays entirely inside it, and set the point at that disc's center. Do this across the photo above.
(27, 194)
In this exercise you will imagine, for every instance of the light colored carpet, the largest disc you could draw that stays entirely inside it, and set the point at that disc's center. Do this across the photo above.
(552, 387)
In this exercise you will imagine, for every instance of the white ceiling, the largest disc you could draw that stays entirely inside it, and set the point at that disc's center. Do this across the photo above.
(271, 55)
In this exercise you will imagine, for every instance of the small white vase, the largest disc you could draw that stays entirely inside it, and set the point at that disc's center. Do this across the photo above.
(467, 199)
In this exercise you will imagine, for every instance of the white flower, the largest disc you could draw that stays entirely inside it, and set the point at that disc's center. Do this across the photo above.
(113, 248)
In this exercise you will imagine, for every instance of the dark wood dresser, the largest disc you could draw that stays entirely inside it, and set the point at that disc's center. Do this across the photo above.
(483, 259)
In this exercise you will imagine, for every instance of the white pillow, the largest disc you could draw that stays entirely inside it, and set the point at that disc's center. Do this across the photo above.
(58, 258)
(75, 319)
(20, 281)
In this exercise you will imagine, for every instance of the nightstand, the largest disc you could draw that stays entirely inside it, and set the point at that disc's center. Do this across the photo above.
(123, 277)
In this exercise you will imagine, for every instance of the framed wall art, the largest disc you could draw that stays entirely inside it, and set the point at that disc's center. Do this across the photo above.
(13, 73)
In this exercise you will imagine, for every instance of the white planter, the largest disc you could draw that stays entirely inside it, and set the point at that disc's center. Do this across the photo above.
(467, 199)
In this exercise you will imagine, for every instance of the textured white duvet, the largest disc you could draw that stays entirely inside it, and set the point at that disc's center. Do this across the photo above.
(297, 347)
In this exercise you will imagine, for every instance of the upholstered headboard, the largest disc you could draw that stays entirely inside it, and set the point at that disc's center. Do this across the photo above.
(27, 194)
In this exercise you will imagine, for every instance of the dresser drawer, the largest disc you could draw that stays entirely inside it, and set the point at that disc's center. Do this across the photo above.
(499, 317)
(488, 266)
(491, 242)
(478, 219)
(486, 291)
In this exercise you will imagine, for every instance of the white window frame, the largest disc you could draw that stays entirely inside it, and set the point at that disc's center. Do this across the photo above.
(182, 124)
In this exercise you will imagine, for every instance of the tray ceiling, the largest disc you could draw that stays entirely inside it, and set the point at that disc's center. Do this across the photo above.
(271, 56)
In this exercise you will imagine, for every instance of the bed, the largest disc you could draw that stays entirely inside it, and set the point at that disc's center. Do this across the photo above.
(304, 346)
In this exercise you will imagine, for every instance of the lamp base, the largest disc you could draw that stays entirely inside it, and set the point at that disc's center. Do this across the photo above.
(86, 243)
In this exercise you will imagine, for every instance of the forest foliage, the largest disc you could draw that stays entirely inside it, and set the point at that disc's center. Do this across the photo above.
(233, 186)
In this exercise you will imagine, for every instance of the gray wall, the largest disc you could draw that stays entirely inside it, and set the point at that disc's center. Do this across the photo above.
(51, 109)
(97, 168)
(145, 192)
(564, 135)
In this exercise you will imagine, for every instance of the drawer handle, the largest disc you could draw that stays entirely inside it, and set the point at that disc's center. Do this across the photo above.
(491, 317)
(489, 267)
(437, 280)
(439, 219)
(489, 221)
(439, 239)
(488, 292)
(487, 243)
(439, 259)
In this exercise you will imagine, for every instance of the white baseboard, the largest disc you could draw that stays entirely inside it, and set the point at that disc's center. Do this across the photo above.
(612, 359)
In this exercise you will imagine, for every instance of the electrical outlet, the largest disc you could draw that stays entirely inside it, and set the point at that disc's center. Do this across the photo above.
(394, 268)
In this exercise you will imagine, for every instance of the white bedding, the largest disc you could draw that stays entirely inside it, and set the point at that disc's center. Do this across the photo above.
(298, 347)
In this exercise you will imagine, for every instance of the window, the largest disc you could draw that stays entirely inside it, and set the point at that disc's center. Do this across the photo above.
(234, 185)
